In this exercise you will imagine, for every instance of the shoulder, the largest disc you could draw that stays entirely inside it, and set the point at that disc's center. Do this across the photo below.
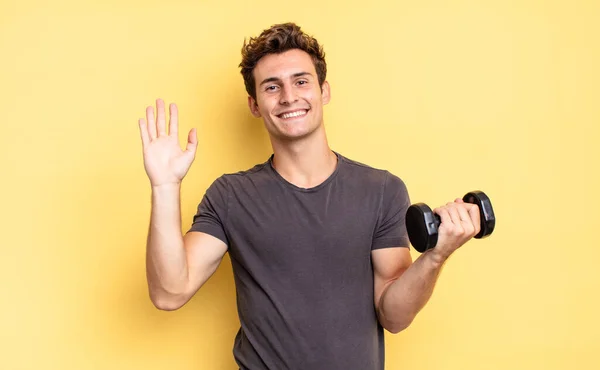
(233, 180)
(370, 175)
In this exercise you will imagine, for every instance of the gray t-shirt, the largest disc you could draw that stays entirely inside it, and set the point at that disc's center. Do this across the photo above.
(301, 260)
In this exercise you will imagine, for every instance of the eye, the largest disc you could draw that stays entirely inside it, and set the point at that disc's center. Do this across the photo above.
(271, 88)
(302, 82)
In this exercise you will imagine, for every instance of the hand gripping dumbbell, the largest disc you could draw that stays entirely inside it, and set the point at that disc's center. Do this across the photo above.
(422, 224)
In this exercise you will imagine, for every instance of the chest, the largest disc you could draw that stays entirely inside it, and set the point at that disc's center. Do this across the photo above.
(330, 228)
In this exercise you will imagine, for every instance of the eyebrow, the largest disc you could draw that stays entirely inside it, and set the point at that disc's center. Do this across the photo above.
(275, 79)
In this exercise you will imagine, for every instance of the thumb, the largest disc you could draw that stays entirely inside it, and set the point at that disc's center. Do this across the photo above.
(192, 142)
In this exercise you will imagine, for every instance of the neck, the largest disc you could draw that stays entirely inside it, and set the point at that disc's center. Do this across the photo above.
(305, 163)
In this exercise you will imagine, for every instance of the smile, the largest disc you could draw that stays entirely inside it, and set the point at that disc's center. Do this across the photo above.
(294, 114)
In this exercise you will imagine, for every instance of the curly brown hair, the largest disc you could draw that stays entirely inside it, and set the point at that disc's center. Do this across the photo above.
(278, 39)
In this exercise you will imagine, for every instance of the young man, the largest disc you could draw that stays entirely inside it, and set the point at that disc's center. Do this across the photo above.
(317, 241)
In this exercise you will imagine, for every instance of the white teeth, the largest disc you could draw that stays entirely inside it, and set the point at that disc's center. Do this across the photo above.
(293, 114)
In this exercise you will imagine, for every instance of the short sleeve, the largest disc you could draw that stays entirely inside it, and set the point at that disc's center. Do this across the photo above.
(390, 230)
(211, 215)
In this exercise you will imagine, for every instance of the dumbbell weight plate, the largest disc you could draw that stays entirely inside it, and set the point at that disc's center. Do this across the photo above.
(486, 212)
(423, 225)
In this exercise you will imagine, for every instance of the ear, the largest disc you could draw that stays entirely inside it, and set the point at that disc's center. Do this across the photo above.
(325, 92)
(253, 105)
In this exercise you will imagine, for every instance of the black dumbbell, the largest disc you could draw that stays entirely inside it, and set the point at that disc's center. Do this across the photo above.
(422, 224)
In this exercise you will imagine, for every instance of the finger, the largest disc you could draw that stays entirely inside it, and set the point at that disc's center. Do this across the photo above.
(192, 143)
(475, 216)
(144, 132)
(161, 122)
(151, 122)
(454, 216)
(463, 213)
(459, 200)
(173, 120)
(468, 224)
(444, 216)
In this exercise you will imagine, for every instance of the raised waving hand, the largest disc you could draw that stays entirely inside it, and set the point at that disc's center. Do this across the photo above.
(164, 160)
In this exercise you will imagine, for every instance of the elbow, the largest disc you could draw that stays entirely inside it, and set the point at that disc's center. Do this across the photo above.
(397, 327)
(167, 302)
(164, 305)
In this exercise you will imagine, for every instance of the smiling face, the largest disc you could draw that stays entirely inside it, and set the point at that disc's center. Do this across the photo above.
(288, 95)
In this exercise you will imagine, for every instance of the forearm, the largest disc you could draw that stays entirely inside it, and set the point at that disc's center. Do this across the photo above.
(407, 295)
(166, 264)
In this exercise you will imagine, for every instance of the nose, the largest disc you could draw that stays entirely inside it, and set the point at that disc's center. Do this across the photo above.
(288, 95)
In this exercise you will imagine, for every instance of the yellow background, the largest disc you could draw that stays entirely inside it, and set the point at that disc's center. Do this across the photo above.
(451, 96)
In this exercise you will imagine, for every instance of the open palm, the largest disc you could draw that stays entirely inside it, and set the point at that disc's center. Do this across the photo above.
(164, 160)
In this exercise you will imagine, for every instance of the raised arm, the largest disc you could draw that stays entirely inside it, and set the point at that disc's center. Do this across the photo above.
(176, 266)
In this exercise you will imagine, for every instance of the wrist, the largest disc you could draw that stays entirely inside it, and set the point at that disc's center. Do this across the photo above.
(436, 257)
(165, 187)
